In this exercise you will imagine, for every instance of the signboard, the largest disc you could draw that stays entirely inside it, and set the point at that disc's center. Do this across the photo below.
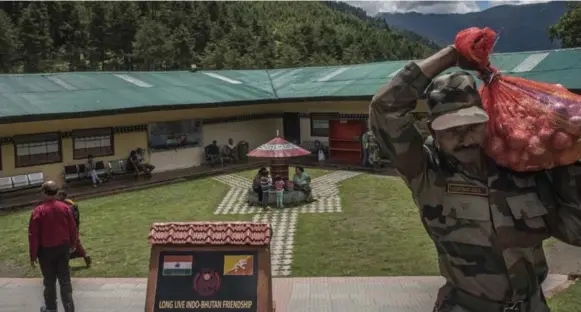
(217, 281)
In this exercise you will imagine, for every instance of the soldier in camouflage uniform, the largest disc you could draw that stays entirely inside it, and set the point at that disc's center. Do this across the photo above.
(487, 222)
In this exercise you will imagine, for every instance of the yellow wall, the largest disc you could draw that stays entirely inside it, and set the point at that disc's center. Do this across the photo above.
(255, 132)
(124, 143)
(7, 130)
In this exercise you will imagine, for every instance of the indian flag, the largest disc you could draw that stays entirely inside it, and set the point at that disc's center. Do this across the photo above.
(177, 265)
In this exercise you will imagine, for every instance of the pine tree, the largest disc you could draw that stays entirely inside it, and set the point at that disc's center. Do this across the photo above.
(151, 45)
(8, 42)
(35, 37)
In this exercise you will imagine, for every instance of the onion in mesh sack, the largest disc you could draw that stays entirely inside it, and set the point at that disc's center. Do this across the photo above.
(532, 125)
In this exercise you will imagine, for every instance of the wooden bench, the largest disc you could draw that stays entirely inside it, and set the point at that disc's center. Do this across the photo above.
(21, 182)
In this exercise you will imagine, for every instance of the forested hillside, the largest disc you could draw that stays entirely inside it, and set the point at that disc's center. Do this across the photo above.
(78, 36)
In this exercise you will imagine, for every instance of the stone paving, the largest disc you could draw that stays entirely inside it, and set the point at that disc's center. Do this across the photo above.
(283, 221)
(366, 294)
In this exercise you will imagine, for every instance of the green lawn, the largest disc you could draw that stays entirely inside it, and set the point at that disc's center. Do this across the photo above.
(114, 229)
(314, 173)
(567, 301)
(379, 233)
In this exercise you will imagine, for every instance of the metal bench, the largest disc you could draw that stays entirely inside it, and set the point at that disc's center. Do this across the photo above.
(35, 179)
(20, 181)
(118, 167)
(100, 168)
(6, 184)
(71, 173)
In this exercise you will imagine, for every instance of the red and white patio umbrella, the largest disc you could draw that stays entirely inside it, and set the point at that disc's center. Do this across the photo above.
(278, 148)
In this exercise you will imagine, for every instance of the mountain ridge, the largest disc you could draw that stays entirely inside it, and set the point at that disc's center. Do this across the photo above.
(521, 27)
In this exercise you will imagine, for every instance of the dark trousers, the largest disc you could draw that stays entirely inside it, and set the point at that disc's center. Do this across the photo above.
(146, 168)
(258, 191)
(54, 264)
(365, 156)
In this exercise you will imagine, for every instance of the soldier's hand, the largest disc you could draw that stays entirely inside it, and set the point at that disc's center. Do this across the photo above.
(33, 263)
(463, 63)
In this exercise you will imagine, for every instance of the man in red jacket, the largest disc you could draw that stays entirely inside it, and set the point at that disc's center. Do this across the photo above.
(52, 234)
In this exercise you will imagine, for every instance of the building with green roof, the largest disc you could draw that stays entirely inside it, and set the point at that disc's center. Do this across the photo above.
(48, 121)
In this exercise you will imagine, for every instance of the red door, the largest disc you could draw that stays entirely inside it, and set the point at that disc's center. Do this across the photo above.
(344, 140)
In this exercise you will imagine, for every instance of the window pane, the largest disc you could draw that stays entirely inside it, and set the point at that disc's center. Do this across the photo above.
(174, 134)
(106, 141)
(37, 152)
(92, 143)
(52, 147)
(95, 146)
(36, 149)
(321, 124)
(80, 143)
(22, 150)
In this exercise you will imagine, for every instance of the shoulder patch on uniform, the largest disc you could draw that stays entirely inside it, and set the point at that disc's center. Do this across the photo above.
(466, 189)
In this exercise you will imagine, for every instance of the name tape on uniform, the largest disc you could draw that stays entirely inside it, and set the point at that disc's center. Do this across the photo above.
(466, 189)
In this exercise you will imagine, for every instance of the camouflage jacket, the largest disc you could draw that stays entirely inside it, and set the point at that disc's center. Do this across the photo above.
(488, 232)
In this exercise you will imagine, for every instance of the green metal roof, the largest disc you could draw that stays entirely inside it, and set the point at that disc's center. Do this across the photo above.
(37, 96)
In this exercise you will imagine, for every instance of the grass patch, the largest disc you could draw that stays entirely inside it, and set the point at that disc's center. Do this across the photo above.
(548, 243)
(114, 229)
(314, 173)
(379, 233)
(567, 301)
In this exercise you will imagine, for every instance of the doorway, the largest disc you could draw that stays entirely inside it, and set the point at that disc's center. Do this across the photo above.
(291, 124)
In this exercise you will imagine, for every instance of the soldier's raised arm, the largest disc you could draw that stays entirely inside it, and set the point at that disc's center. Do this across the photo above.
(390, 113)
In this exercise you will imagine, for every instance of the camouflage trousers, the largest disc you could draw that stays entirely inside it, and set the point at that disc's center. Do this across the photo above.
(453, 300)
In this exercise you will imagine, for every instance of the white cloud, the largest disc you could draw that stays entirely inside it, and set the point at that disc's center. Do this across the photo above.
(434, 7)
(501, 2)
(437, 7)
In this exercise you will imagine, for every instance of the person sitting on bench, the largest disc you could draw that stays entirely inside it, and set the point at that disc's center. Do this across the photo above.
(302, 182)
(91, 170)
(230, 151)
(213, 153)
(136, 163)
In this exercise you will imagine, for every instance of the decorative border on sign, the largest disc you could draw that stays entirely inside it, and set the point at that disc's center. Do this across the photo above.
(211, 121)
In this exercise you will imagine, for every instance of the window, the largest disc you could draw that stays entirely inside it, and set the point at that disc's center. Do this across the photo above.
(319, 127)
(31, 150)
(95, 142)
(174, 134)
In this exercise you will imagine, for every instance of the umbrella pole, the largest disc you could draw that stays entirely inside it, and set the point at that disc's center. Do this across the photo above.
(279, 166)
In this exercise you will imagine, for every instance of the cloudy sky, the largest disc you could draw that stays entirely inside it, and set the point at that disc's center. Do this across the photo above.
(437, 7)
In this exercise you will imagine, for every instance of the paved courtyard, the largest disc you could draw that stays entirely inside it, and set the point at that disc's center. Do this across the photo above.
(284, 221)
(369, 294)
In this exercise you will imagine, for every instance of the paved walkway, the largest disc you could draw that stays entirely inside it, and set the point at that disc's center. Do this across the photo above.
(284, 221)
(369, 294)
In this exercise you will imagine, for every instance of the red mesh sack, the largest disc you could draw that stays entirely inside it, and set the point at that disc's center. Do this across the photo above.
(533, 125)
